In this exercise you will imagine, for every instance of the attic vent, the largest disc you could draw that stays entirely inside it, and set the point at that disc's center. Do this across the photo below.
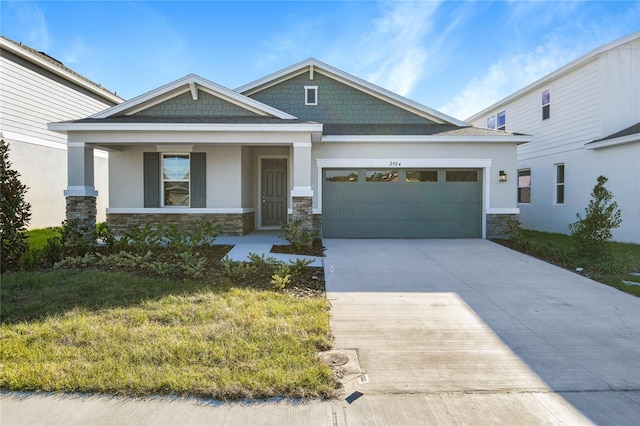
(311, 95)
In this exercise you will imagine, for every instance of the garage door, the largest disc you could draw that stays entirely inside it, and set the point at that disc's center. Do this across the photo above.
(402, 203)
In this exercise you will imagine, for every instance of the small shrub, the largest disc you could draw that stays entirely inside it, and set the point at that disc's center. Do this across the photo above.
(298, 266)
(297, 236)
(30, 259)
(515, 233)
(601, 216)
(279, 282)
(74, 240)
(192, 265)
(52, 251)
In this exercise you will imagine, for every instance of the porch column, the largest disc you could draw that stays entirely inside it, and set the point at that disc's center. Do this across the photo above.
(81, 193)
(302, 194)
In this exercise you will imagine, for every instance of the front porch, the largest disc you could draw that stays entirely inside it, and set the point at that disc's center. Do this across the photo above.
(241, 187)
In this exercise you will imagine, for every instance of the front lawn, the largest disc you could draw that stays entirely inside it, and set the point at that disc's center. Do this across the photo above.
(621, 260)
(120, 333)
(161, 311)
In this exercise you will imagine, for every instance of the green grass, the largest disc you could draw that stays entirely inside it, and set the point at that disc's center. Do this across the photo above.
(116, 333)
(622, 259)
(37, 238)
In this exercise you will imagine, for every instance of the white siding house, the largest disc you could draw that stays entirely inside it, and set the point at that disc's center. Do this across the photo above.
(584, 119)
(35, 89)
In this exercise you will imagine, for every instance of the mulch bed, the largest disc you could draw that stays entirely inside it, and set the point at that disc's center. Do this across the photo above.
(316, 249)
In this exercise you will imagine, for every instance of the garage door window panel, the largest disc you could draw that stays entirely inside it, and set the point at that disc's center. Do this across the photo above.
(421, 176)
(382, 175)
(347, 176)
(462, 176)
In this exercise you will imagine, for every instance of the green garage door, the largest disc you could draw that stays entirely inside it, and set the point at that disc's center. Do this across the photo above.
(402, 203)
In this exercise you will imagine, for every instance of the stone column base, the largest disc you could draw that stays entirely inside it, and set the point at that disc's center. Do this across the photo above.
(81, 214)
(303, 209)
(499, 225)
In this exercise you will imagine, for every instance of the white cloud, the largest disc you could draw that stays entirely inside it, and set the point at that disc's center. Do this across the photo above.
(394, 45)
(34, 23)
(507, 76)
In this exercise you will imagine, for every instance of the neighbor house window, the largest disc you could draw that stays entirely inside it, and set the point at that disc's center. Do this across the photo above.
(559, 183)
(175, 180)
(546, 104)
(311, 95)
(524, 186)
(502, 120)
(491, 122)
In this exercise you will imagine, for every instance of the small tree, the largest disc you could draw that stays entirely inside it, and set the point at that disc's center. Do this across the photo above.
(15, 212)
(601, 216)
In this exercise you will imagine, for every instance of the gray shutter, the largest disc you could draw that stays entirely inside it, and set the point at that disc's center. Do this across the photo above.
(151, 179)
(198, 180)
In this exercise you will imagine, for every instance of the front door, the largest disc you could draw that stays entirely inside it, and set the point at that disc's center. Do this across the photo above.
(274, 187)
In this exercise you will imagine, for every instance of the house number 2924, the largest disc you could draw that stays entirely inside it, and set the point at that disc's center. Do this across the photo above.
(395, 163)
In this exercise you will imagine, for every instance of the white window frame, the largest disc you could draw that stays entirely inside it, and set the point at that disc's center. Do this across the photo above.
(307, 90)
(560, 184)
(504, 126)
(163, 180)
(519, 187)
(548, 104)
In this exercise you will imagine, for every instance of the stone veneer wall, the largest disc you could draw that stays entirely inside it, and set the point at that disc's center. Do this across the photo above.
(81, 213)
(498, 225)
(302, 208)
(232, 223)
(317, 223)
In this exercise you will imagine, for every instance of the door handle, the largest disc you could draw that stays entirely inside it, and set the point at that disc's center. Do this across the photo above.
(264, 201)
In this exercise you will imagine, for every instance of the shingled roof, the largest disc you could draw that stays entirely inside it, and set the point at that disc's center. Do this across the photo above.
(56, 63)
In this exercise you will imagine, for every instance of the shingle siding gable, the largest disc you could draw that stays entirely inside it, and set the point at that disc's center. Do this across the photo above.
(206, 105)
(338, 103)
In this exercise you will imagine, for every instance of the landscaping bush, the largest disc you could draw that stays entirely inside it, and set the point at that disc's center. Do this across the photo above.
(296, 235)
(591, 233)
(15, 212)
(261, 271)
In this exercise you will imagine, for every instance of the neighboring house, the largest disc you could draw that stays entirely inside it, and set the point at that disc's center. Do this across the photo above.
(309, 142)
(585, 122)
(35, 90)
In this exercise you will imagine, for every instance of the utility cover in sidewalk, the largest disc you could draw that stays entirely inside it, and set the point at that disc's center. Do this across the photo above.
(333, 358)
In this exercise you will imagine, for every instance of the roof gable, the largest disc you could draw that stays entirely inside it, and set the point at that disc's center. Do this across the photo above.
(180, 97)
(206, 104)
(313, 70)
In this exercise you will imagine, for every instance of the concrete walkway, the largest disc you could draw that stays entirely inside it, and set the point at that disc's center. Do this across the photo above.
(260, 243)
(447, 332)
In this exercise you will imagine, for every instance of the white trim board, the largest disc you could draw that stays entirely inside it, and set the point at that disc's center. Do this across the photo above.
(46, 143)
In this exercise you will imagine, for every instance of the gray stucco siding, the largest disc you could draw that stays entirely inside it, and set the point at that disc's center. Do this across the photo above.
(337, 103)
(184, 105)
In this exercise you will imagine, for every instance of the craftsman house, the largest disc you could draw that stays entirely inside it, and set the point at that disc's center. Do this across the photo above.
(310, 141)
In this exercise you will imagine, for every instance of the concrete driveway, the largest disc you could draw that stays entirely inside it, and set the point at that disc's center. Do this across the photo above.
(468, 331)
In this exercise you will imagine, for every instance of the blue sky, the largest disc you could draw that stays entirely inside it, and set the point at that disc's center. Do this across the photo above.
(455, 56)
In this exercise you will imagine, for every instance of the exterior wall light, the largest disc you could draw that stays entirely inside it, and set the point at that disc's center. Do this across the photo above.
(502, 176)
